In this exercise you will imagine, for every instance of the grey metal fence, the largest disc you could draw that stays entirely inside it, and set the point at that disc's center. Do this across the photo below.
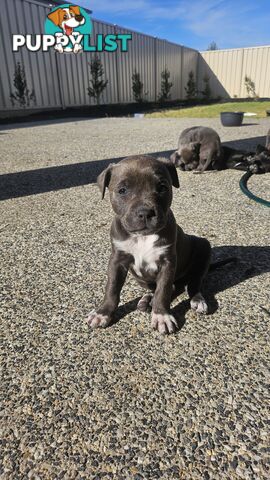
(62, 80)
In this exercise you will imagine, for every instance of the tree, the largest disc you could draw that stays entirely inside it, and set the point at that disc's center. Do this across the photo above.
(21, 95)
(191, 90)
(166, 86)
(137, 87)
(212, 46)
(250, 86)
(206, 92)
(97, 83)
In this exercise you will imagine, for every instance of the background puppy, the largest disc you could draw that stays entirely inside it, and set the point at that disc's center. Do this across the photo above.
(260, 161)
(147, 242)
(255, 162)
(236, 159)
(267, 143)
(199, 148)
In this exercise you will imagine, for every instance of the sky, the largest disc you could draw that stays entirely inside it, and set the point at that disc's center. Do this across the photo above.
(194, 23)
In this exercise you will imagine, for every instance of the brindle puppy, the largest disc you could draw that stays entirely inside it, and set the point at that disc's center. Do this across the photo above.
(147, 242)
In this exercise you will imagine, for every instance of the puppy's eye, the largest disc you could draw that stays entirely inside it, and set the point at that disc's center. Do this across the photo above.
(122, 191)
(162, 188)
(65, 17)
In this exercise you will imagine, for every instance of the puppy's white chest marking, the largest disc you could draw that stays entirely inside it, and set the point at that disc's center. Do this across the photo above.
(142, 248)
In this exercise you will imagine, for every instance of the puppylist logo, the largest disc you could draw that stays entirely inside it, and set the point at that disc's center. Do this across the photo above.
(68, 29)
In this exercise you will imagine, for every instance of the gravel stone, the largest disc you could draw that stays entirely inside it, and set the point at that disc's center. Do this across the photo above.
(125, 402)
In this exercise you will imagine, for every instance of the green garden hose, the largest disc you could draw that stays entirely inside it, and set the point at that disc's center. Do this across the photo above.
(245, 190)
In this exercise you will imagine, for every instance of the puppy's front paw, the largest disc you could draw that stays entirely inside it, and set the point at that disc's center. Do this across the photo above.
(253, 168)
(199, 304)
(97, 320)
(164, 323)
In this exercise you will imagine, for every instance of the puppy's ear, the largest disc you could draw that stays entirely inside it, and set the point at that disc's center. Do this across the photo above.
(104, 178)
(175, 157)
(172, 171)
(55, 17)
(74, 9)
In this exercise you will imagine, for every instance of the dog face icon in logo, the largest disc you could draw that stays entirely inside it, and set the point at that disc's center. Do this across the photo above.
(66, 19)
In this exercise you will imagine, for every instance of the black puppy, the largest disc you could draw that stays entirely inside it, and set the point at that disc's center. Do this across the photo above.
(236, 159)
(147, 242)
(260, 161)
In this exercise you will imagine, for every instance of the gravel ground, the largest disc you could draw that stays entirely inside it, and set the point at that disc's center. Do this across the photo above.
(126, 403)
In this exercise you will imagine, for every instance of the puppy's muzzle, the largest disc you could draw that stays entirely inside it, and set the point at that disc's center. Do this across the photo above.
(145, 217)
(145, 213)
(142, 217)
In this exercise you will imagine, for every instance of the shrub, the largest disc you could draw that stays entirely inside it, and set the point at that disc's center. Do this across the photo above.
(166, 86)
(97, 83)
(21, 95)
(206, 92)
(191, 90)
(137, 87)
(250, 86)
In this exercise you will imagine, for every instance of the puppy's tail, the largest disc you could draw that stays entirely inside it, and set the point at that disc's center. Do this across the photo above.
(221, 263)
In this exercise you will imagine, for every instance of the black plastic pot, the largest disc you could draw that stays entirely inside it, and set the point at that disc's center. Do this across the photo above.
(231, 119)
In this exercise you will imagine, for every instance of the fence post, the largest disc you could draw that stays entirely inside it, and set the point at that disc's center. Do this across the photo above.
(241, 72)
(117, 69)
(155, 67)
(59, 81)
(181, 63)
(198, 72)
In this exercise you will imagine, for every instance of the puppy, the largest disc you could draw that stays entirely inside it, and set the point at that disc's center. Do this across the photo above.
(260, 161)
(236, 159)
(199, 148)
(147, 242)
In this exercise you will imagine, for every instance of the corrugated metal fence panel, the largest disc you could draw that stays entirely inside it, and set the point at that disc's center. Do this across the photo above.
(140, 58)
(212, 71)
(23, 17)
(109, 62)
(227, 70)
(62, 80)
(74, 73)
(169, 56)
(189, 63)
(224, 69)
(256, 65)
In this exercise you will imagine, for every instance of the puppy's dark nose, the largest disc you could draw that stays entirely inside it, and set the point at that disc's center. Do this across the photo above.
(79, 18)
(145, 213)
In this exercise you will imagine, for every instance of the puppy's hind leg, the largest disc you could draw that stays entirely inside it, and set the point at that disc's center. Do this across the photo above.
(203, 165)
